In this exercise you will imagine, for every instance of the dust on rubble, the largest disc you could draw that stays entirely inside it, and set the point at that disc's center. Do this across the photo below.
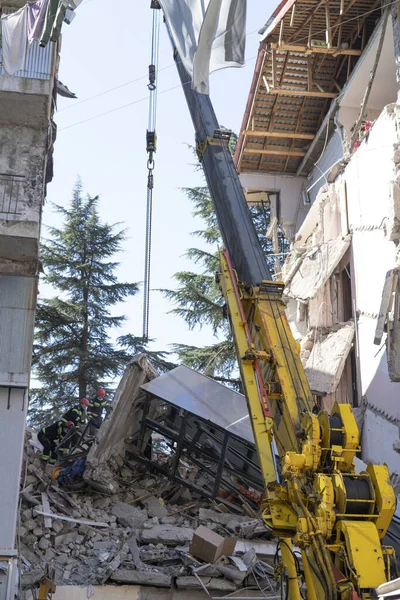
(139, 535)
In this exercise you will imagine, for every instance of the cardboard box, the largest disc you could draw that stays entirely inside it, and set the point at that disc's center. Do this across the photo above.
(209, 546)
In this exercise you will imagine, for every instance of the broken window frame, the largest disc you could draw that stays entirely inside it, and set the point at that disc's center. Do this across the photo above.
(186, 432)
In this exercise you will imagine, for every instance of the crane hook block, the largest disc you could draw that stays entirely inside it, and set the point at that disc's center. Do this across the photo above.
(155, 4)
(151, 141)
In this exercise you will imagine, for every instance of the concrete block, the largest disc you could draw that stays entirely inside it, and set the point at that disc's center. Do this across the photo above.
(211, 583)
(57, 526)
(167, 534)
(141, 578)
(44, 543)
(206, 514)
(129, 516)
(32, 577)
(67, 538)
(155, 508)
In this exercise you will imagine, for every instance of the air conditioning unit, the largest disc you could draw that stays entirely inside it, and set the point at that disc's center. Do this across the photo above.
(306, 198)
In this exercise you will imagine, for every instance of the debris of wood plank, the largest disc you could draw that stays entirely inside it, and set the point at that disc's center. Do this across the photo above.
(70, 519)
(180, 510)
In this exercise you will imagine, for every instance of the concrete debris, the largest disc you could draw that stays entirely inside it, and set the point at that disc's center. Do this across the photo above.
(145, 540)
(326, 362)
(155, 508)
(210, 583)
(313, 269)
(129, 516)
(169, 535)
(129, 526)
(142, 578)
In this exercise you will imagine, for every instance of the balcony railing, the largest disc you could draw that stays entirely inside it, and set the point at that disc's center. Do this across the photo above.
(38, 62)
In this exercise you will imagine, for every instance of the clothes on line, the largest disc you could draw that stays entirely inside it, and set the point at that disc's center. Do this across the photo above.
(208, 35)
(41, 21)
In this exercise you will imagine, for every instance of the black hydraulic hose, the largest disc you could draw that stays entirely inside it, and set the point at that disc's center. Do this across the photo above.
(315, 570)
(320, 560)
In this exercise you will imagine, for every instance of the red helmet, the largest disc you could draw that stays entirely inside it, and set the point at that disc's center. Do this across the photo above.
(101, 392)
(69, 423)
(84, 401)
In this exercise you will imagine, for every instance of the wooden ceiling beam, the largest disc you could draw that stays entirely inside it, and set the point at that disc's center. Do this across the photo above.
(261, 151)
(315, 49)
(279, 134)
(304, 93)
(307, 20)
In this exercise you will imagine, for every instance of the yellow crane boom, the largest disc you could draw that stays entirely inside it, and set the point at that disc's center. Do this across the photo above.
(314, 499)
(313, 496)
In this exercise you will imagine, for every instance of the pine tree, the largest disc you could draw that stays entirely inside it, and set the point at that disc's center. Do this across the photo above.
(73, 353)
(198, 299)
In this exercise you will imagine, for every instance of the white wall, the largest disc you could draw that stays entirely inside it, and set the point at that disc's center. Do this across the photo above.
(384, 88)
(292, 210)
(377, 441)
(369, 180)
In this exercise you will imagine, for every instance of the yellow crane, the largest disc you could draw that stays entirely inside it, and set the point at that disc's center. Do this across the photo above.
(314, 499)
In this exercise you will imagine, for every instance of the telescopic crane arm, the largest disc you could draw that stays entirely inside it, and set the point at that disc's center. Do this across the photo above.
(314, 498)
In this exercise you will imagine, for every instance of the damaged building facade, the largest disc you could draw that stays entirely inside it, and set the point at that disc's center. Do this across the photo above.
(28, 87)
(320, 143)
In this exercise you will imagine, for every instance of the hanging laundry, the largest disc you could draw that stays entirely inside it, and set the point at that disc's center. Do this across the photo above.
(55, 15)
(14, 40)
(36, 19)
(208, 35)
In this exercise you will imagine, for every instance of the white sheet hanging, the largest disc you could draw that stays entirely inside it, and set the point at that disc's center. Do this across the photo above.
(14, 30)
(208, 35)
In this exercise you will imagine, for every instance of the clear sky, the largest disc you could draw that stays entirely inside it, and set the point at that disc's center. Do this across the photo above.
(108, 45)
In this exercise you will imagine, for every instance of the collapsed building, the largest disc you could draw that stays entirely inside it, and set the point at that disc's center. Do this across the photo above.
(28, 95)
(145, 494)
(320, 145)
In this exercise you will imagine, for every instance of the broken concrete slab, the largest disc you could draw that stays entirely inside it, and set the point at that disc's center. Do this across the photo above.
(169, 535)
(67, 538)
(206, 514)
(326, 362)
(33, 577)
(141, 578)
(124, 422)
(315, 268)
(128, 515)
(211, 583)
(155, 508)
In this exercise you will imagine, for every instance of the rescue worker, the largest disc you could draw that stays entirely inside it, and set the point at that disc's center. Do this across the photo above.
(73, 419)
(96, 408)
(51, 435)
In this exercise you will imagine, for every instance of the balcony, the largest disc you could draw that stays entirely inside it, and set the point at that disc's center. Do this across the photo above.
(25, 96)
(25, 138)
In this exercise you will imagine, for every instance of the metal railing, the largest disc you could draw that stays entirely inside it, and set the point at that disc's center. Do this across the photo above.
(38, 62)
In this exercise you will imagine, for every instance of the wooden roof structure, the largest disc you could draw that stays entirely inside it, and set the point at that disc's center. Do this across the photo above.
(308, 50)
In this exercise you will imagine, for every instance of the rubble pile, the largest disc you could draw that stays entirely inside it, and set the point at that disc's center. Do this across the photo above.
(140, 535)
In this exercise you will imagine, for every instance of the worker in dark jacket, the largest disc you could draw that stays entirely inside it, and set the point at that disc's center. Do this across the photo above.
(51, 435)
(96, 408)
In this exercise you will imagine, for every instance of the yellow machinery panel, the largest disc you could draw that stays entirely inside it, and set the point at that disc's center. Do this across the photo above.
(364, 552)
(313, 496)
(384, 495)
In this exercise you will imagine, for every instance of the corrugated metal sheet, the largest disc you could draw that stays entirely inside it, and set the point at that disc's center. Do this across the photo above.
(38, 62)
(205, 398)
